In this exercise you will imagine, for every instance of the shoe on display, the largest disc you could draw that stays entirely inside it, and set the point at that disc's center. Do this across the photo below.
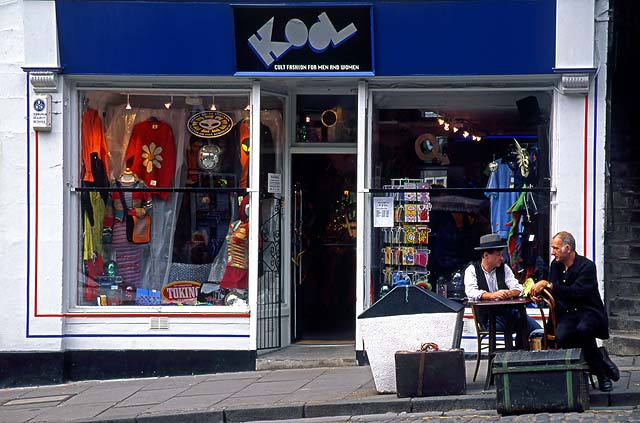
(609, 366)
(604, 383)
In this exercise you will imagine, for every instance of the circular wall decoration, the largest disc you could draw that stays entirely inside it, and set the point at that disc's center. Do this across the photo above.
(329, 118)
(428, 150)
(210, 124)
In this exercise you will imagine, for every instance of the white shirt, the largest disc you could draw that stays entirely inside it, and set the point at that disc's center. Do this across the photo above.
(471, 282)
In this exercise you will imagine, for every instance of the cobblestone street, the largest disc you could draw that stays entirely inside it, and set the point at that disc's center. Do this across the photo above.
(631, 414)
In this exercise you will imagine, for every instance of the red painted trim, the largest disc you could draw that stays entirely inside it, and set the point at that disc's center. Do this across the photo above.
(146, 315)
(585, 199)
(35, 275)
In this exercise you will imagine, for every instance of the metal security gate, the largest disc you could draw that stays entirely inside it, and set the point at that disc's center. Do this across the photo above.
(270, 277)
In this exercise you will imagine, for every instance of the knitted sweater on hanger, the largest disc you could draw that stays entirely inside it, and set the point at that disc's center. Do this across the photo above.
(151, 154)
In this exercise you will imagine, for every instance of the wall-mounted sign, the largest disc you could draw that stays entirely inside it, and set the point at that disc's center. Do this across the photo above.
(41, 113)
(303, 40)
(209, 124)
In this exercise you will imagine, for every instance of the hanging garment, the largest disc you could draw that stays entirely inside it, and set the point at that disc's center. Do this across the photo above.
(93, 141)
(151, 154)
(501, 201)
(236, 274)
(92, 236)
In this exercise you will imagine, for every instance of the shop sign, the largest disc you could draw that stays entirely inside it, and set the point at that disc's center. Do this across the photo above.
(303, 40)
(210, 124)
(180, 292)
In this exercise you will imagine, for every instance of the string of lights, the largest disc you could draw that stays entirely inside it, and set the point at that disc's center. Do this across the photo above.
(455, 126)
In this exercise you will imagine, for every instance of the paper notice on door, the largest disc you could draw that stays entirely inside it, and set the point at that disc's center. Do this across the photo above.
(274, 183)
(383, 212)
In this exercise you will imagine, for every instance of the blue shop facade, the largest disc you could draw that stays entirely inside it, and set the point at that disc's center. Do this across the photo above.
(210, 181)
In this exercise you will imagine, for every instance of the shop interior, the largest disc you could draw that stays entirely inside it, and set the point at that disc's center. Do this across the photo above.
(459, 146)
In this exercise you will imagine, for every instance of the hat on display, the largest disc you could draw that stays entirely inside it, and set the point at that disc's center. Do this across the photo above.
(490, 242)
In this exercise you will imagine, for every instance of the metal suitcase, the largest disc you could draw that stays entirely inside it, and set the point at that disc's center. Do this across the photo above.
(430, 373)
(541, 381)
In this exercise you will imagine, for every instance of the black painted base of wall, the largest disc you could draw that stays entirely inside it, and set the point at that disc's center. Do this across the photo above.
(361, 358)
(47, 368)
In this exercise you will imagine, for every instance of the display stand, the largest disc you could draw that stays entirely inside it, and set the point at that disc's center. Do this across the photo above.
(404, 253)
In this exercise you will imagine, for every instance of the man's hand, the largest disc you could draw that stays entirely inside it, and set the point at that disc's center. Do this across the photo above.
(501, 294)
(537, 288)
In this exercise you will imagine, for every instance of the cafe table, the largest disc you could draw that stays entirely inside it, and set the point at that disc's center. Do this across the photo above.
(491, 308)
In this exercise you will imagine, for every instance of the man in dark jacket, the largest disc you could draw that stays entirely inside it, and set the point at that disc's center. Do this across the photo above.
(580, 313)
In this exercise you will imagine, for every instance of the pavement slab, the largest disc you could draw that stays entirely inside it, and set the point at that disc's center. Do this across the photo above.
(312, 394)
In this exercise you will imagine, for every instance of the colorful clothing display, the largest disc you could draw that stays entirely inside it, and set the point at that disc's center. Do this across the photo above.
(151, 154)
(236, 274)
(114, 211)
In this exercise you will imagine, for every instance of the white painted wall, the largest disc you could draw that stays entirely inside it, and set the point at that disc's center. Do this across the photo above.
(573, 145)
(574, 33)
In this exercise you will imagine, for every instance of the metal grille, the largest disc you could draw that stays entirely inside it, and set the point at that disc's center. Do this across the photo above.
(270, 280)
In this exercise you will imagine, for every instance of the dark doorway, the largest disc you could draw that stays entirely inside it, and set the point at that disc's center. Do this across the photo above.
(324, 246)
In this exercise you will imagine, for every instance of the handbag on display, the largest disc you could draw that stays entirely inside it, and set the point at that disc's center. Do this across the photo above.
(138, 228)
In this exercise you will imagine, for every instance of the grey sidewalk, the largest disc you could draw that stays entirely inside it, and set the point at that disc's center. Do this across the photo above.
(257, 395)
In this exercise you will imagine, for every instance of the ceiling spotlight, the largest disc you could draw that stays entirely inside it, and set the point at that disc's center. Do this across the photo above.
(478, 138)
(465, 134)
(248, 107)
(446, 126)
(168, 104)
(128, 106)
(213, 103)
(455, 129)
(440, 121)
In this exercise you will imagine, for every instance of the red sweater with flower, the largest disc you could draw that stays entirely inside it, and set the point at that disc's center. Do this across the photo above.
(151, 154)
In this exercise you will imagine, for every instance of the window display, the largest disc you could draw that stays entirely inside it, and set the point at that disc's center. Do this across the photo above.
(163, 183)
(457, 165)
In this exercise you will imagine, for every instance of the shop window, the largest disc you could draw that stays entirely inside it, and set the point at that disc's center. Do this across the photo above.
(163, 202)
(326, 119)
(447, 169)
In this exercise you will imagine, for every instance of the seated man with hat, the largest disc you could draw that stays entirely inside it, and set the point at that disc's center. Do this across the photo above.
(489, 279)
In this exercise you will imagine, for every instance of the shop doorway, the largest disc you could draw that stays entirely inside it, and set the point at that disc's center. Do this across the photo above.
(323, 247)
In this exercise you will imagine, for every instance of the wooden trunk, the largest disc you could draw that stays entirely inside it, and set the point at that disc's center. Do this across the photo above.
(541, 381)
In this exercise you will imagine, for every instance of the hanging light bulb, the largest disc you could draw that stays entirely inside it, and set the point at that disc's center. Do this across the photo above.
(168, 104)
(446, 126)
(128, 106)
(248, 107)
(478, 138)
(307, 119)
(213, 103)
(440, 121)
(465, 134)
(455, 129)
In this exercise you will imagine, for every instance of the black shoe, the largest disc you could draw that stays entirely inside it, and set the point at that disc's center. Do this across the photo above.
(610, 367)
(604, 383)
